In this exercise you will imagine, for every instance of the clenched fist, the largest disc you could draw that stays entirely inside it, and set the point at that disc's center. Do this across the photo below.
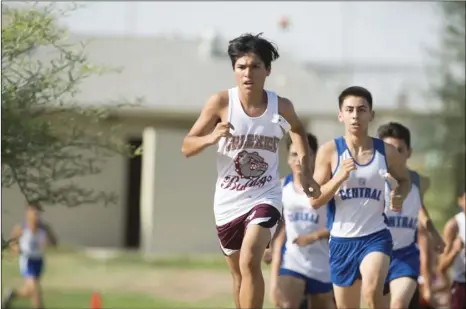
(310, 187)
(396, 200)
(346, 166)
(222, 129)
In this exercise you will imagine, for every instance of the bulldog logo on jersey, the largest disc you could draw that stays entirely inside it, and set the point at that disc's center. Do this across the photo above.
(250, 165)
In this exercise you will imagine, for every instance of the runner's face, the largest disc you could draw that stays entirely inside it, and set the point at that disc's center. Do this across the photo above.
(250, 73)
(32, 215)
(356, 114)
(293, 159)
(401, 146)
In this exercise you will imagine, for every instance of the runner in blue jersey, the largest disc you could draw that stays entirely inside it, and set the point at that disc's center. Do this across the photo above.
(410, 230)
(352, 170)
(30, 240)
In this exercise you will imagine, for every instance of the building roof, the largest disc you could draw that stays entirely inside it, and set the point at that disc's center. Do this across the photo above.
(173, 73)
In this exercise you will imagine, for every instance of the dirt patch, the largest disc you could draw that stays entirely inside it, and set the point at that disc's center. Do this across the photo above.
(176, 284)
(190, 285)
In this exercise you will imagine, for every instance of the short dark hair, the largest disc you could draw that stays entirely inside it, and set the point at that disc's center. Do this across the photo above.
(249, 43)
(35, 205)
(395, 130)
(311, 139)
(355, 91)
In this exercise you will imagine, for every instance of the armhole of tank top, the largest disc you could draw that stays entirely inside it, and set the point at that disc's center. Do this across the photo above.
(340, 146)
(415, 180)
(272, 99)
(379, 146)
(231, 95)
(287, 179)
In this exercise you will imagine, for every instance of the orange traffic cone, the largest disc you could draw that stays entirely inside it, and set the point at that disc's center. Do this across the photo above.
(96, 301)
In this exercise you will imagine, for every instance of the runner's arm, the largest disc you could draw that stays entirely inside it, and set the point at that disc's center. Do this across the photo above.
(398, 170)
(52, 239)
(425, 256)
(298, 134)
(322, 175)
(15, 235)
(450, 231)
(278, 243)
(424, 217)
(307, 239)
(322, 234)
(199, 136)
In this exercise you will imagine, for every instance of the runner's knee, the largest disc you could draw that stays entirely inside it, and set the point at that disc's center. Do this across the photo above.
(397, 303)
(288, 303)
(249, 262)
(369, 292)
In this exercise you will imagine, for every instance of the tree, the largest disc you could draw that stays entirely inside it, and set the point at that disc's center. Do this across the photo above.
(48, 139)
(451, 90)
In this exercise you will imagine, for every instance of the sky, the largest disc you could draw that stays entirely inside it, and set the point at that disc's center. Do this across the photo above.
(371, 32)
(328, 33)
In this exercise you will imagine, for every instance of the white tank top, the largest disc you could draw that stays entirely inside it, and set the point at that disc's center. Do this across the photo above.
(358, 206)
(300, 218)
(459, 268)
(403, 225)
(31, 244)
(247, 162)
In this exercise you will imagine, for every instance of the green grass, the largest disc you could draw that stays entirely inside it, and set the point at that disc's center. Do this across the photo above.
(71, 276)
(81, 299)
(185, 262)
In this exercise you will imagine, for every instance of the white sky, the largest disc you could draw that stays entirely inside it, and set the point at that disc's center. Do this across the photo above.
(383, 32)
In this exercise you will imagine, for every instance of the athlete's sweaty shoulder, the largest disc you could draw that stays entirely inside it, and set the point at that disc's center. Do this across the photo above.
(450, 231)
(214, 111)
(285, 107)
(17, 231)
(284, 104)
(218, 103)
(328, 150)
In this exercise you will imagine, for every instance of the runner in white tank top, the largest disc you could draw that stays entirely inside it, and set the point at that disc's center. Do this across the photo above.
(300, 258)
(454, 255)
(32, 238)
(407, 232)
(247, 123)
(247, 162)
(360, 243)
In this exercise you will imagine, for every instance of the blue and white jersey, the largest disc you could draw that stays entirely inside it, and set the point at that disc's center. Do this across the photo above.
(358, 206)
(31, 244)
(300, 218)
(403, 224)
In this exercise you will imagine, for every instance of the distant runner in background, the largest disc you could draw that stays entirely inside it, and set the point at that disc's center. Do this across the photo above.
(300, 252)
(33, 236)
(454, 256)
(411, 229)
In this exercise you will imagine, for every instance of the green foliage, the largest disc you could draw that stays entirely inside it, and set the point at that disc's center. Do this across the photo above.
(48, 139)
(448, 129)
(451, 89)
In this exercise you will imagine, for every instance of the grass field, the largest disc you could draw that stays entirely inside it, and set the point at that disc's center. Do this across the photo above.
(129, 282)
